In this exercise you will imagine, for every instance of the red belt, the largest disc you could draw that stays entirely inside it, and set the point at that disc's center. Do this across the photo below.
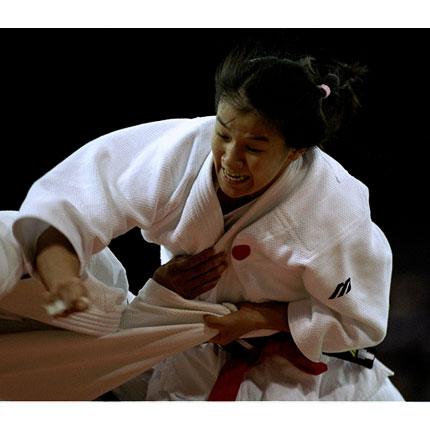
(242, 360)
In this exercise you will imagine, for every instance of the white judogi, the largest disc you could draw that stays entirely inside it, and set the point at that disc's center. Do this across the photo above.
(11, 262)
(310, 239)
(40, 362)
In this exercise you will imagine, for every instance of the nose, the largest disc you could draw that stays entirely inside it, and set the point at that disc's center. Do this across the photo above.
(232, 158)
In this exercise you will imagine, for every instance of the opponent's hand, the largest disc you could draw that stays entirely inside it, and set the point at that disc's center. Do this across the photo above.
(190, 276)
(67, 297)
(57, 265)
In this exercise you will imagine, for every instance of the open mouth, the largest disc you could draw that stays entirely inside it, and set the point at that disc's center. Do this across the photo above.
(233, 178)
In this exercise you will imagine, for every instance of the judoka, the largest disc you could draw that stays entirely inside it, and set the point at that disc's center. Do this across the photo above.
(287, 249)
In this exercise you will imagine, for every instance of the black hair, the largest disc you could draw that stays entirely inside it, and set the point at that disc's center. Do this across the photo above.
(285, 91)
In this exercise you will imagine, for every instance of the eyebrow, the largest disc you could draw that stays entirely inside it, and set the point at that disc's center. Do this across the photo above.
(222, 122)
(259, 138)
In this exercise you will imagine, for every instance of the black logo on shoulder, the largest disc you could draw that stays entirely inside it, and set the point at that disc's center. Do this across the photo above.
(342, 289)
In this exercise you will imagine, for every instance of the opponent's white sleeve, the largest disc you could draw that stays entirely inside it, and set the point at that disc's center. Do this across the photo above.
(348, 286)
(131, 177)
(11, 262)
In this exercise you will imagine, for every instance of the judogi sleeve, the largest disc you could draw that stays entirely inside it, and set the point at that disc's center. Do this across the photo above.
(132, 177)
(11, 263)
(348, 286)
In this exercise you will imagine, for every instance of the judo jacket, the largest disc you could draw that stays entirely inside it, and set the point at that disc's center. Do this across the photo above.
(308, 240)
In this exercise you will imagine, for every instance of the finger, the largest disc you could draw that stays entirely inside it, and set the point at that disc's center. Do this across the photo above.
(217, 338)
(49, 297)
(201, 257)
(207, 271)
(58, 308)
(210, 276)
(71, 296)
(221, 339)
(82, 304)
(216, 261)
(213, 340)
(201, 289)
(194, 260)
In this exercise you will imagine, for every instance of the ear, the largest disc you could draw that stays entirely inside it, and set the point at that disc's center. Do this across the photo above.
(296, 153)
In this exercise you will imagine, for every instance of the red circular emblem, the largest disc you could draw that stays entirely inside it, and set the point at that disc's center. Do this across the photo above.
(240, 252)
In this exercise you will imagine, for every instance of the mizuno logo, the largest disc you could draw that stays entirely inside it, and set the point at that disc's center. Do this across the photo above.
(341, 289)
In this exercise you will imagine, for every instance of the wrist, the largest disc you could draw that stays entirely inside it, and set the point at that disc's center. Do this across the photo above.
(268, 316)
(56, 265)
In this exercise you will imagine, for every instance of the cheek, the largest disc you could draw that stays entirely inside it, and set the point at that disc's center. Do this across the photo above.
(216, 152)
(265, 170)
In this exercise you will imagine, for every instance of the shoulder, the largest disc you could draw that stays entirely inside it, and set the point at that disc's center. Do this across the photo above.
(326, 204)
(331, 176)
(144, 151)
(167, 163)
(166, 133)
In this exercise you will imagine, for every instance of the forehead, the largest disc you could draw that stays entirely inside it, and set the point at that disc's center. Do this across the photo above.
(245, 121)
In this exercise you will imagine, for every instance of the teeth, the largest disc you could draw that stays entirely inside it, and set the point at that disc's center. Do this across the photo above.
(233, 176)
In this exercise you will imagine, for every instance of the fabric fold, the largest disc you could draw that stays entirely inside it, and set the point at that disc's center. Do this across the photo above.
(11, 261)
(72, 365)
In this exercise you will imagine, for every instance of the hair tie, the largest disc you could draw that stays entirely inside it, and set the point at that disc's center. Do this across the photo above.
(326, 90)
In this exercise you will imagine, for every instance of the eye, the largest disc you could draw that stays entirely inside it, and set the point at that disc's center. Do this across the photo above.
(223, 136)
(254, 150)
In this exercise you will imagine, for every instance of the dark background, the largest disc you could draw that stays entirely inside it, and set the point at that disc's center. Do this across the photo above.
(61, 88)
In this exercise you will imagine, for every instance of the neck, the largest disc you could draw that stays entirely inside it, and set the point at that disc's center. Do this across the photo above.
(229, 204)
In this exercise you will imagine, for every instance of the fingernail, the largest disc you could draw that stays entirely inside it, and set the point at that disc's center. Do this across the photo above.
(82, 304)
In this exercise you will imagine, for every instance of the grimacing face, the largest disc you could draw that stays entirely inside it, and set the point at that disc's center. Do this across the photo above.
(249, 153)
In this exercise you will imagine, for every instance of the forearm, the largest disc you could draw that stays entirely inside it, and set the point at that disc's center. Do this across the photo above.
(269, 315)
(249, 317)
(56, 260)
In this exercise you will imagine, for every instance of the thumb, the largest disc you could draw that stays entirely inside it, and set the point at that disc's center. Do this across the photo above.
(211, 321)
